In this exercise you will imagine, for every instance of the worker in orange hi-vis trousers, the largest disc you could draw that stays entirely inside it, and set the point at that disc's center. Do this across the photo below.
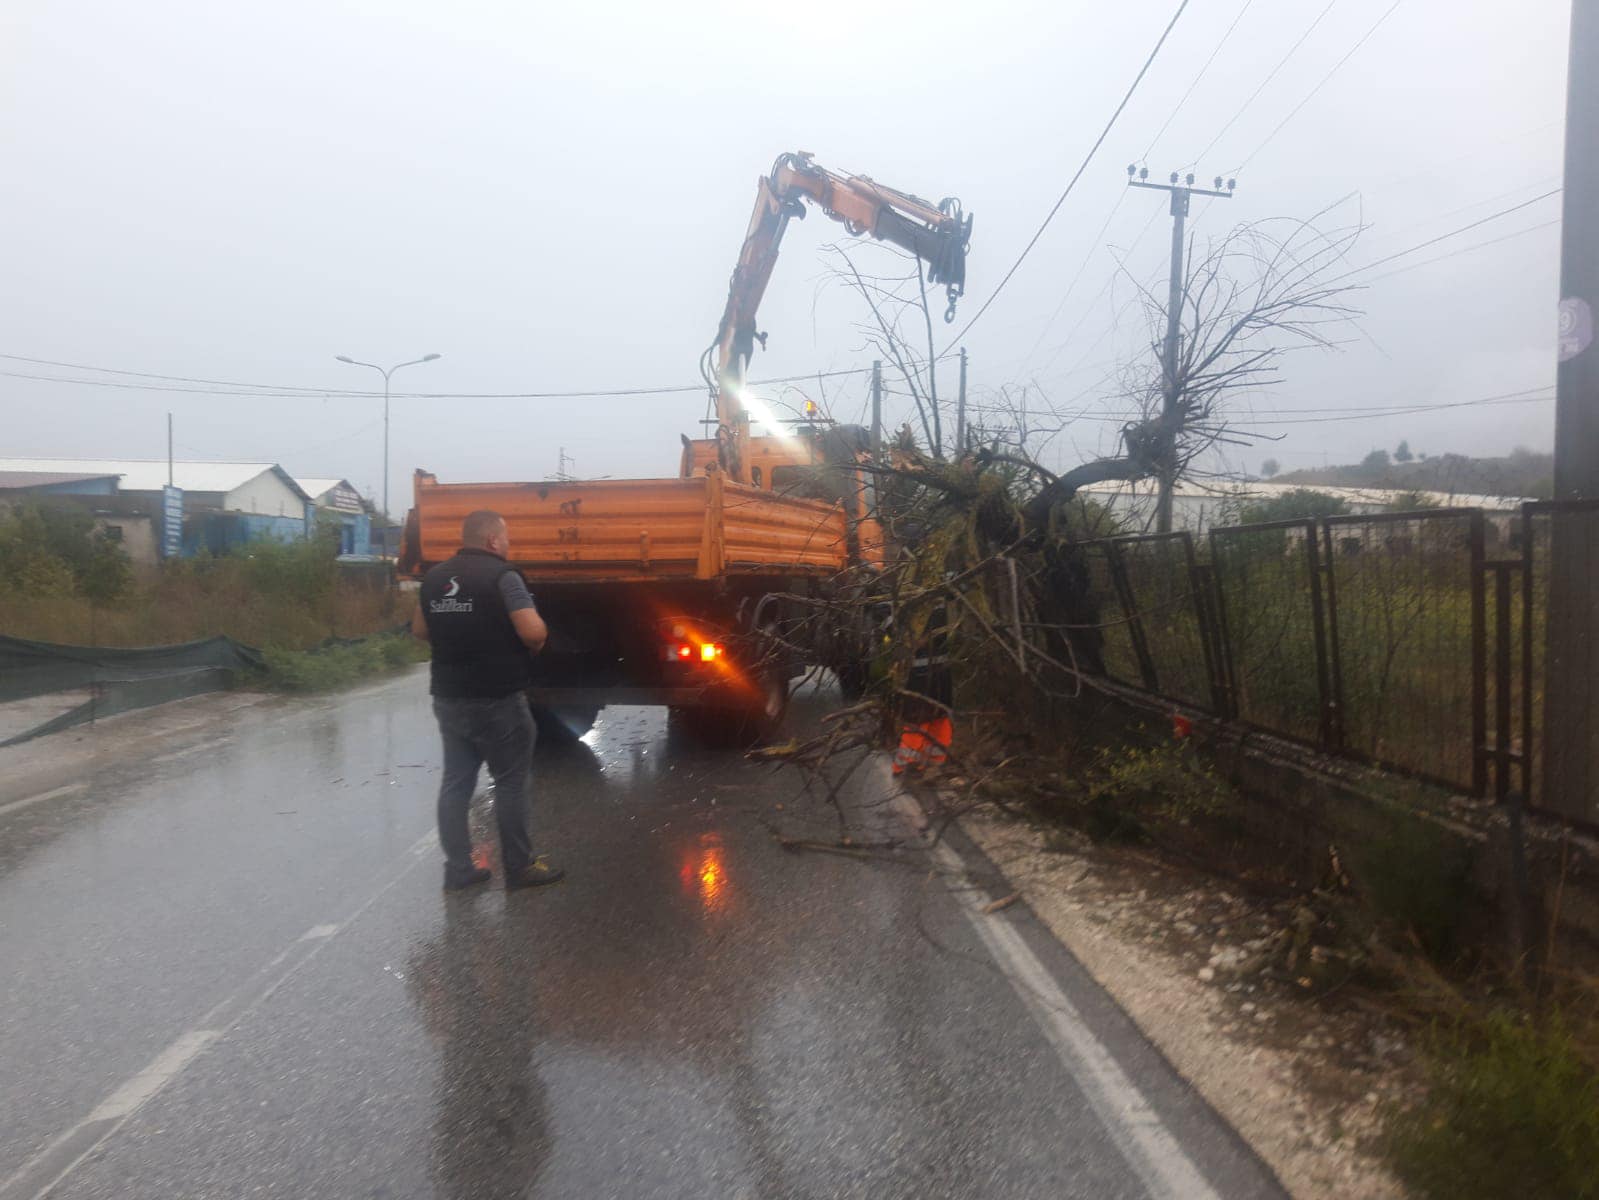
(928, 731)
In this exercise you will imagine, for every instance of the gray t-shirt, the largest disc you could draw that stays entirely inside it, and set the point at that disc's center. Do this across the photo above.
(513, 590)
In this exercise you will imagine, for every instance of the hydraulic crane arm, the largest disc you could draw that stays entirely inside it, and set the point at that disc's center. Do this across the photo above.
(936, 234)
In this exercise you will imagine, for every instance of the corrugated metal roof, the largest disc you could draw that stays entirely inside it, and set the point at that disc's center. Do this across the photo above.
(150, 474)
(33, 479)
(316, 487)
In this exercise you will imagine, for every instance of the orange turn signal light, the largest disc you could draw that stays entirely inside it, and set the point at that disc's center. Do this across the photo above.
(710, 652)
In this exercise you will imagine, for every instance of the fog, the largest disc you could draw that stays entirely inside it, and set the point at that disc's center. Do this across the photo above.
(552, 198)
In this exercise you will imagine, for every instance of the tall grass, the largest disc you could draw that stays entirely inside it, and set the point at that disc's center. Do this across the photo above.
(287, 597)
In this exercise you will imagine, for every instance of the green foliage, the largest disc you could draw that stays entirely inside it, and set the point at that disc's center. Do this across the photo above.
(1270, 467)
(46, 550)
(1167, 782)
(299, 570)
(1415, 879)
(1375, 463)
(1402, 453)
(1130, 792)
(1513, 1110)
(1297, 505)
(339, 665)
(1411, 501)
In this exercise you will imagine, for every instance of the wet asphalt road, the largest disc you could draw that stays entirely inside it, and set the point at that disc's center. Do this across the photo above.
(231, 972)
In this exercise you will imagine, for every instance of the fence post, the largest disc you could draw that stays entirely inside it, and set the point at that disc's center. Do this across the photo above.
(1227, 671)
(1135, 624)
(1529, 743)
(1479, 658)
(1502, 639)
(1324, 618)
(1199, 582)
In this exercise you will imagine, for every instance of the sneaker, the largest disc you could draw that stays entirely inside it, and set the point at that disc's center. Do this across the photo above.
(536, 875)
(455, 883)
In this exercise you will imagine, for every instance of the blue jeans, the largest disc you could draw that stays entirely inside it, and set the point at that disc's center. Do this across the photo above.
(500, 733)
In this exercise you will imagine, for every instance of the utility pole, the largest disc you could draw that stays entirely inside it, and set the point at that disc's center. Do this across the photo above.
(877, 410)
(1171, 387)
(960, 412)
(564, 465)
(1571, 688)
(169, 449)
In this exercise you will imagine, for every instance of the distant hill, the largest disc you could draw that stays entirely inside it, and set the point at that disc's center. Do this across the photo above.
(1520, 473)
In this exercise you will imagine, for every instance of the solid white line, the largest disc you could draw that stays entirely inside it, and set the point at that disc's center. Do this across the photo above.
(127, 1098)
(318, 931)
(66, 790)
(1147, 1145)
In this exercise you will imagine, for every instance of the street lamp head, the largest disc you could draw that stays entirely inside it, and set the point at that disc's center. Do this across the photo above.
(343, 358)
(429, 357)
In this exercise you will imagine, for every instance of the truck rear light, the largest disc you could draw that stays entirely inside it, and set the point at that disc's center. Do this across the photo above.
(685, 652)
(710, 652)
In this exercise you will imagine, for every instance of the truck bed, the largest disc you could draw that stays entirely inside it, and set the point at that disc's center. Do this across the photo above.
(639, 529)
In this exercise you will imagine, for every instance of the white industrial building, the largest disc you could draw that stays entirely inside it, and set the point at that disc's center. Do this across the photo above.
(261, 489)
(1198, 507)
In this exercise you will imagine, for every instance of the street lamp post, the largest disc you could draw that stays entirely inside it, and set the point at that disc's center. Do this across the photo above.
(385, 372)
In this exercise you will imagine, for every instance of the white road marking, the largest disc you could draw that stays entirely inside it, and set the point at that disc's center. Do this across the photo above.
(127, 1098)
(1147, 1145)
(53, 793)
(187, 751)
(40, 1175)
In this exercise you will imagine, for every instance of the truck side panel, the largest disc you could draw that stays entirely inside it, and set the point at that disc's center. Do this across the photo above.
(644, 529)
(760, 530)
(635, 528)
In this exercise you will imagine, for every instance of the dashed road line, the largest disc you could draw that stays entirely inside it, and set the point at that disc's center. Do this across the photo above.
(42, 1173)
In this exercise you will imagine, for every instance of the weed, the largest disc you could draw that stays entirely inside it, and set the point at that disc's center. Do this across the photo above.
(1513, 1110)
(339, 665)
(1415, 879)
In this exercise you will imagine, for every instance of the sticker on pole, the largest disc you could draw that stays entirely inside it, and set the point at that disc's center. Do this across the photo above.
(1576, 327)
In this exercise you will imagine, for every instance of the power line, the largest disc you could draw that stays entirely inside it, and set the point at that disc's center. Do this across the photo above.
(1177, 108)
(1121, 196)
(1088, 158)
(1093, 248)
(1312, 93)
(1427, 262)
(50, 362)
(1494, 216)
(1310, 416)
(1281, 63)
(274, 391)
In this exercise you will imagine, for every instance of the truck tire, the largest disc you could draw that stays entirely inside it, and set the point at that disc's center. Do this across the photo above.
(728, 726)
(563, 726)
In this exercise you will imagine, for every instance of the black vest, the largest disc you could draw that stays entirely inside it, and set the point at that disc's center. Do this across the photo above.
(476, 651)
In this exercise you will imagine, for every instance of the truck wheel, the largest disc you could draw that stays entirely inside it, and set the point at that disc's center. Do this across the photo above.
(728, 728)
(563, 726)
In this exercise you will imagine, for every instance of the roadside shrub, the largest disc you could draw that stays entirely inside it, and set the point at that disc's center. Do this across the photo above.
(337, 666)
(1296, 505)
(1416, 880)
(46, 551)
(1513, 1110)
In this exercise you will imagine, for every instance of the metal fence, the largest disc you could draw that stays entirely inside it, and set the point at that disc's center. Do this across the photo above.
(1410, 641)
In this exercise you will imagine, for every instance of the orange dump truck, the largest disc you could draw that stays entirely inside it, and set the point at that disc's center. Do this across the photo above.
(689, 592)
(696, 592)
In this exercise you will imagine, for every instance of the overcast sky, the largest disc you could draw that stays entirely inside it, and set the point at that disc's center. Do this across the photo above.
(552, 196)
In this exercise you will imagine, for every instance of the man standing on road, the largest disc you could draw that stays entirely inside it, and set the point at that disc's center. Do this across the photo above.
(476, 610)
